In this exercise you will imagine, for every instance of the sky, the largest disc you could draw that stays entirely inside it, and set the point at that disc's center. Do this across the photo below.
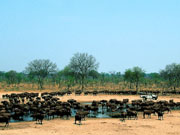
(120, 34)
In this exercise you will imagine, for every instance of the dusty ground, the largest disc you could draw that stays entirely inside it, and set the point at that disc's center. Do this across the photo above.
(168, 126)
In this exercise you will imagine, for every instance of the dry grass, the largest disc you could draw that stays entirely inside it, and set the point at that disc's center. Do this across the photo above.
(91, 86)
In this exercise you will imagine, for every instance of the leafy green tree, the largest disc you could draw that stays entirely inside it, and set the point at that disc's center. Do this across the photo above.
(171, 74)
(154, 78)
(65, 76)
(102, 78)
(68, 76)
(32, 79)
(134, 75)
(59, 76)
(41, 69)
(138, 74)
(19, 78)
(128, 76)
(11, 77)
(81, 64)
(94, 74)
(2, 76)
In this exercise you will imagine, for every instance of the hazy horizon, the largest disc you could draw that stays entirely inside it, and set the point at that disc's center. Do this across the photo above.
(119, 34)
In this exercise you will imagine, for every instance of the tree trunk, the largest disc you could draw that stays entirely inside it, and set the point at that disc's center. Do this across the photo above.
(137, 84)
(59, 84)
(82, 83)
(32, 85)
(130, 85)
(40, 82)
(174, 88)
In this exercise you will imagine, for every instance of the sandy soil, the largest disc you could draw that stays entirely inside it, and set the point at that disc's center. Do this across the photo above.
(90, 98)
(168, 126)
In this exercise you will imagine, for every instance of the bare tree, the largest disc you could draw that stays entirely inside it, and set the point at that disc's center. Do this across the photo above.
(81, 64)
(41, 69)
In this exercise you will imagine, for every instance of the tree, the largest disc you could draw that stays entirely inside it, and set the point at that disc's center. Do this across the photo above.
(19, 78)
(154, 78)
(32, 79)
(138, 74)
(134, 75)
(41, 69)
(81, 64)
(68, 76)
(2, 76)
(128, 76)
(103, 78)
(11, 77)
(171, 74)
(94, 74)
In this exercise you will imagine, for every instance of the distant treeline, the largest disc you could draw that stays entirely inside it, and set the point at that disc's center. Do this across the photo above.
(82, 73)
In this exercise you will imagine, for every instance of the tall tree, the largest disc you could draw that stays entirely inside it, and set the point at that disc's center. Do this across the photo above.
(41, 69)
(171, 74)
(134, 75)
(138, 74)
(128, 76)
(81, 64)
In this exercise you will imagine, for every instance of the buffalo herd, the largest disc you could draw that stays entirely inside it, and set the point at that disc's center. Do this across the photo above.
(48, 106)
